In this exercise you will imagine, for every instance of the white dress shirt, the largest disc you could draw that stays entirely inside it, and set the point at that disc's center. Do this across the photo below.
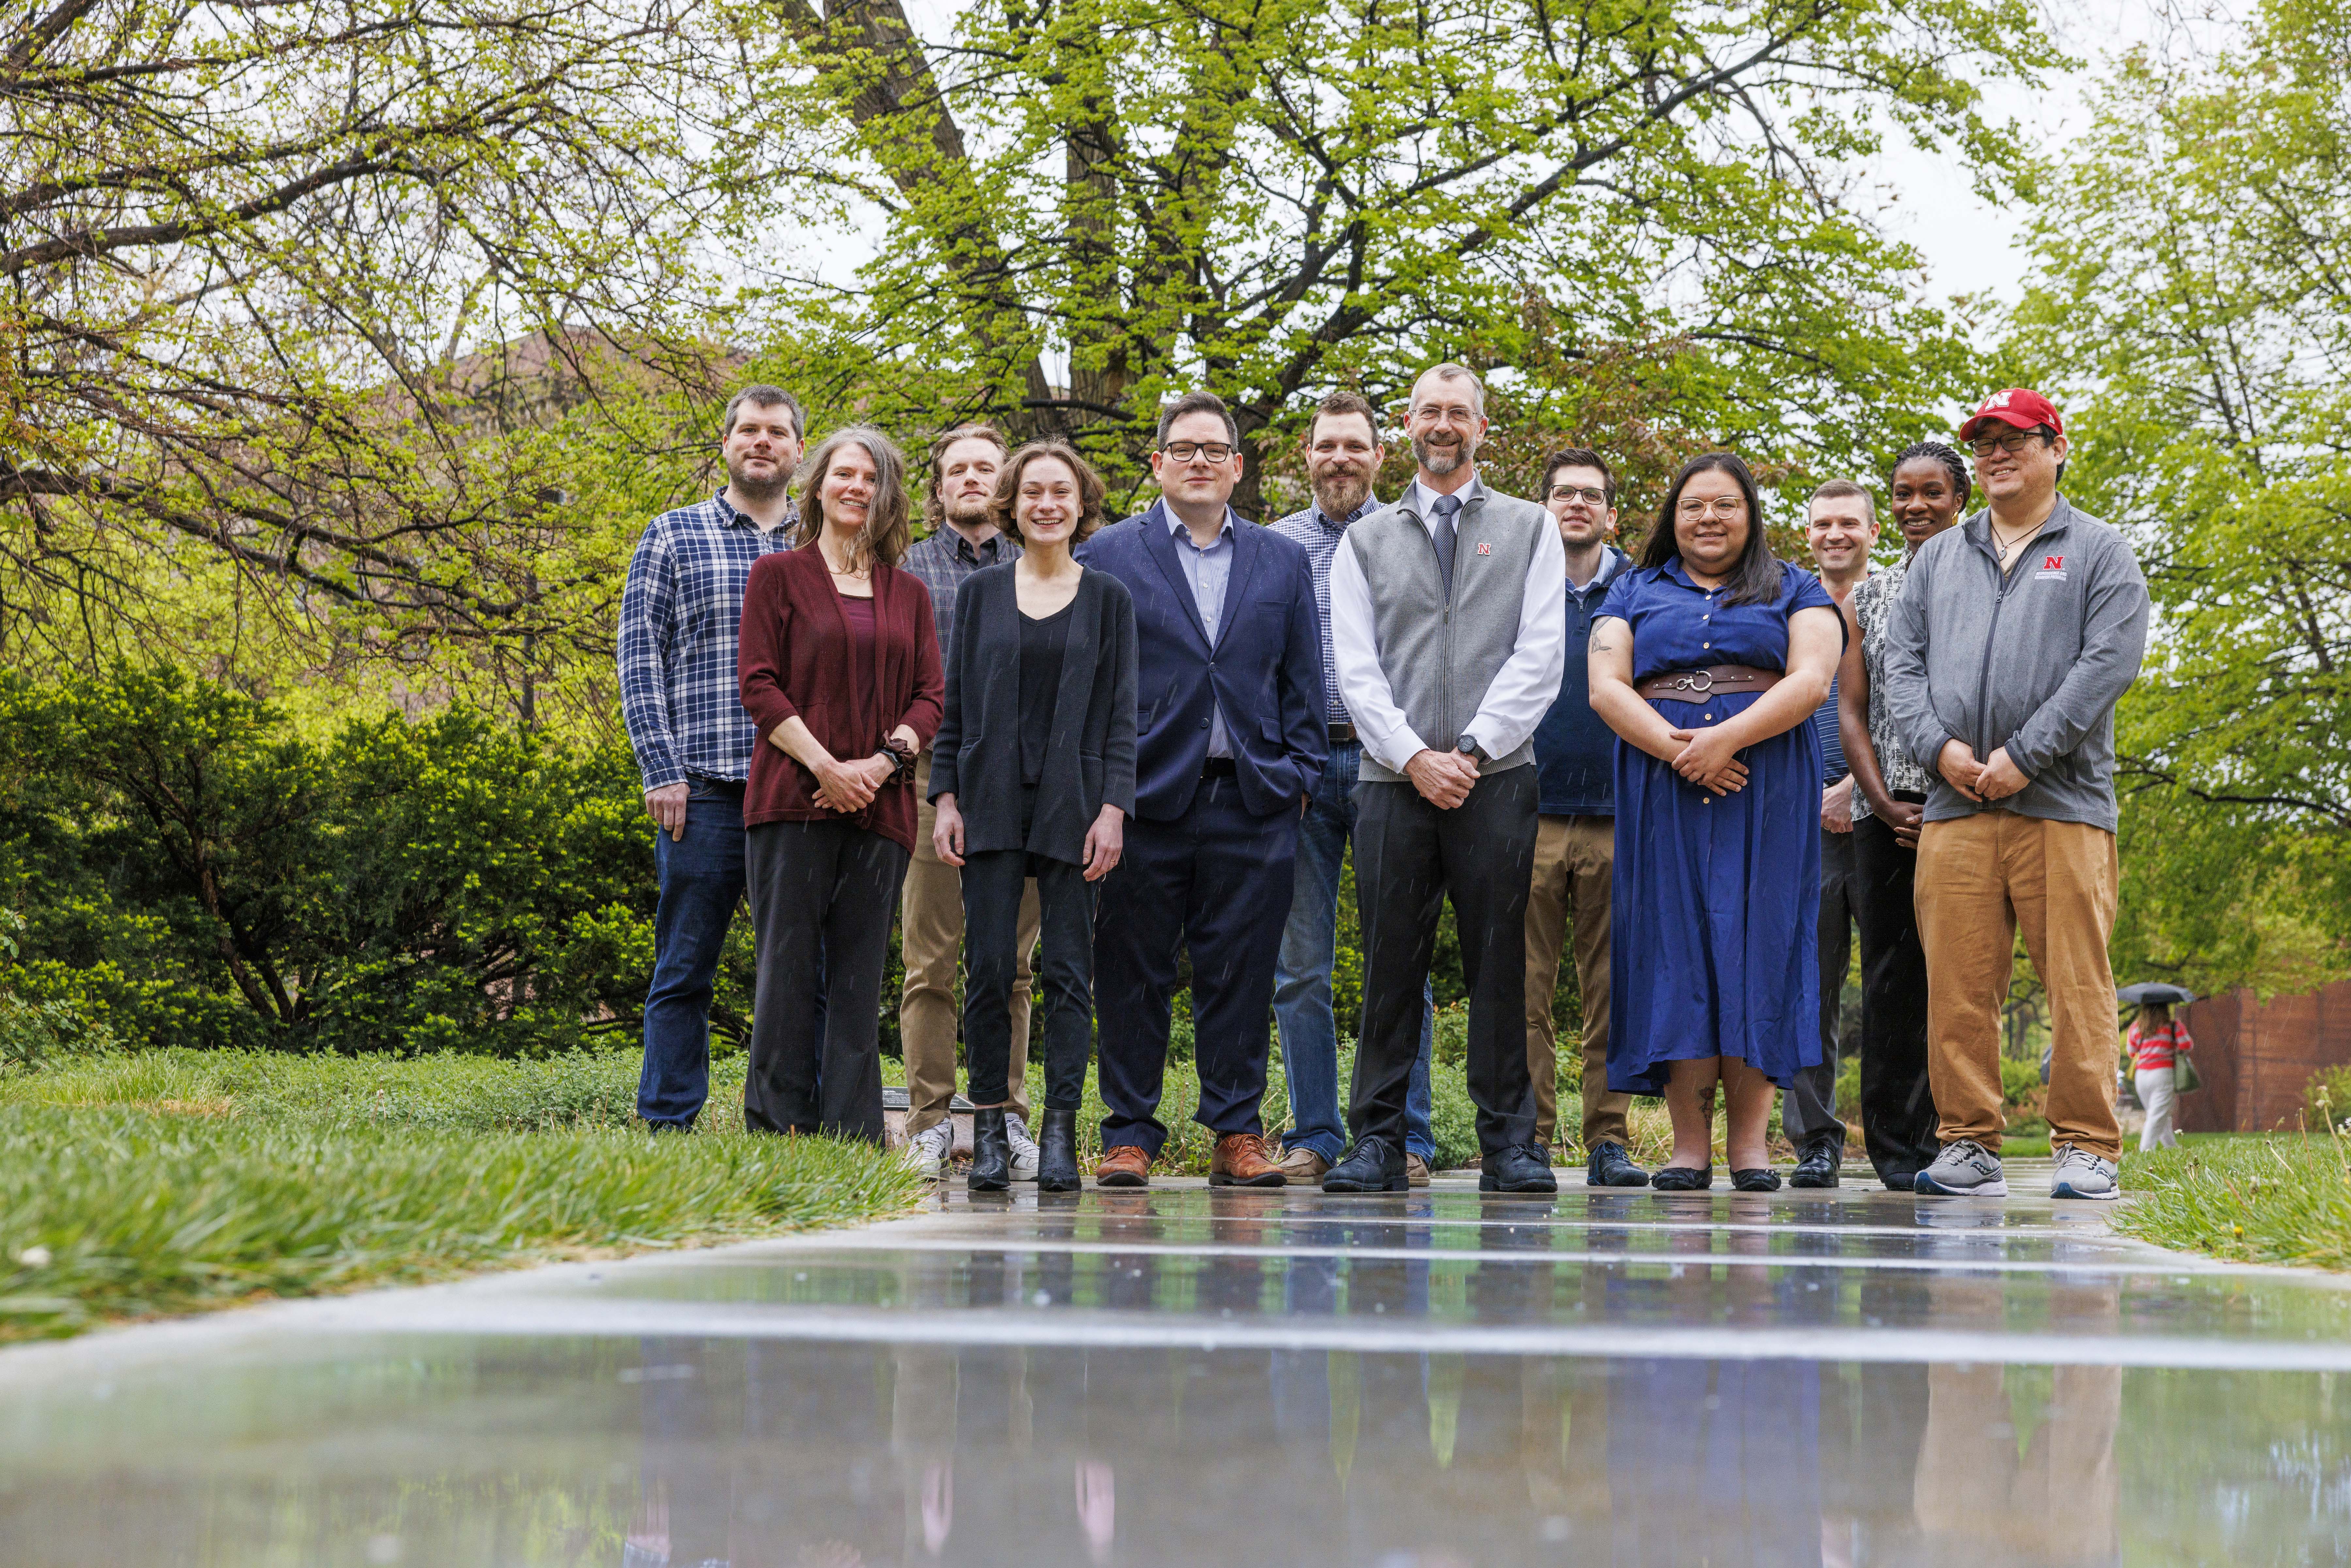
(1521, 691)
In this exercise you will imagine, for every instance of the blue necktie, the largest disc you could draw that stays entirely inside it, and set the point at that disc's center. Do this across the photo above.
(1442, 510)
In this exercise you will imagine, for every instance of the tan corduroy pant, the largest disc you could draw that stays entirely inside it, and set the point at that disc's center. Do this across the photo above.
(931, 944)
(1573, 856)
(1979, 879)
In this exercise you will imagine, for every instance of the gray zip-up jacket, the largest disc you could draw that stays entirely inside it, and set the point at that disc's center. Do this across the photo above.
(2036, 663)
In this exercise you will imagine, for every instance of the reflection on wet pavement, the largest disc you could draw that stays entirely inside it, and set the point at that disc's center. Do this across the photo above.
(1180, 1377)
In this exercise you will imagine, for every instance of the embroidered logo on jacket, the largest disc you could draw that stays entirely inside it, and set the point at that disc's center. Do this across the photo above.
(1485, 548)
(2053, 568)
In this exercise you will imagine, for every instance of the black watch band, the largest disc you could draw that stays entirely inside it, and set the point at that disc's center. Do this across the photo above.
(1467, 746)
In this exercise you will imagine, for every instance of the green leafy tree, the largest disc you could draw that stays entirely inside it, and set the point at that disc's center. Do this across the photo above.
(1644, 209)
(2192, 306)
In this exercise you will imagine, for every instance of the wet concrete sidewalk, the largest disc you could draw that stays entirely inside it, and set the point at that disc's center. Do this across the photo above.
(1182, 1376)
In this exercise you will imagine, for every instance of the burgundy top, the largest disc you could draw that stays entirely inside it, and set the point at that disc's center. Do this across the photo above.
(800, 654)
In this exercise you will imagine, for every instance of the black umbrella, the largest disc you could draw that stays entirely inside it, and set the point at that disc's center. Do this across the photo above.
(2149, 991)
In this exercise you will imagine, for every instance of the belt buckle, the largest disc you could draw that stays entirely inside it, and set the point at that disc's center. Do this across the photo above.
(1691, 682)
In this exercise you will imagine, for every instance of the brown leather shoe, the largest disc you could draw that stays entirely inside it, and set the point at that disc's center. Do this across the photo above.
(1304, 1165)
(1240, 1161)
(1416, 1170)
(1125, 1166)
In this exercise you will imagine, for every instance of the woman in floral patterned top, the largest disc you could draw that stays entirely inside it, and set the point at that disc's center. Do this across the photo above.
(1929, 486)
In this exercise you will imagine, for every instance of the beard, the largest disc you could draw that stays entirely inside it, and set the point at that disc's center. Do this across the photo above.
(742, 488)
(1439, 460)
(1339, 494)
(963, 514)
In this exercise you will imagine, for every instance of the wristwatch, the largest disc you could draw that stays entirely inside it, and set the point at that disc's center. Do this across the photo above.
(1467, 746)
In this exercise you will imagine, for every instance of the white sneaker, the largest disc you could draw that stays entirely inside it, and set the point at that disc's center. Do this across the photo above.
(2081, 1174)
(1964, 1169)
(1024, 1147)
(927, 1150)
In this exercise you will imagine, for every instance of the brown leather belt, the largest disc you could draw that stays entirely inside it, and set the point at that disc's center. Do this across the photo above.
(1699, 686)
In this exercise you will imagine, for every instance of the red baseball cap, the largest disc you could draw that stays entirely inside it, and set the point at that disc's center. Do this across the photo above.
(2019, 406)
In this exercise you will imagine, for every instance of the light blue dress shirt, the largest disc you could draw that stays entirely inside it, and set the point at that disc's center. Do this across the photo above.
(1208, 571)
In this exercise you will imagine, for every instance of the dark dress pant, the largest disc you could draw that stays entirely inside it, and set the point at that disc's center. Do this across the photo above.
(1410, 857)
(1897, 1108)
(1811, 1109)
(822, 897)
(1217, 881)
(993, 883)
(701, 876)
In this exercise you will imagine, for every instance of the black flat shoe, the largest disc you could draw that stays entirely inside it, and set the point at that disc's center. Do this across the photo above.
(1057, 1151)
(991, 1153)
(1761, 1179)
(1373, 1165)
(1522, 1167)
(1610, 1165)
(1682, 1178)
(1819, 1165)
(1896, 1181)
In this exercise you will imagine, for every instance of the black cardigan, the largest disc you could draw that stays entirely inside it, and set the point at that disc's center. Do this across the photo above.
(1089, 758)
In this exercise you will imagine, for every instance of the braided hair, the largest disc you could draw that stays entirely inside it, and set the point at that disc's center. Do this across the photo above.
(1949, 457)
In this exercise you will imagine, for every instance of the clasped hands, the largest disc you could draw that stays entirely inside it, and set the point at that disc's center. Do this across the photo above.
(1996, 778)
(850, 786)
(1710, 759)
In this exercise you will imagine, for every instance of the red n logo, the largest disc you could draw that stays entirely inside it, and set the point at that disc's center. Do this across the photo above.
(2052, 563)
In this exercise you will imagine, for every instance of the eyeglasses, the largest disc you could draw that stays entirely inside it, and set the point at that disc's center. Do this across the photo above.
(2014, 441)
(1184, 451)
(1723, 507)
(1590, 494)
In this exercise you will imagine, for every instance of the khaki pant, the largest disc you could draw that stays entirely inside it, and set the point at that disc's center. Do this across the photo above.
(1981, 878)
(1573, 860)
(931, 941)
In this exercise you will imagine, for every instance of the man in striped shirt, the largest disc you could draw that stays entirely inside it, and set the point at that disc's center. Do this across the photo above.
(680, 613)
(1841, 526)
(1343, 456)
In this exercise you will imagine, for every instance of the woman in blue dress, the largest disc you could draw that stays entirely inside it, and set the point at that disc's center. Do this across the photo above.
(1708, 660)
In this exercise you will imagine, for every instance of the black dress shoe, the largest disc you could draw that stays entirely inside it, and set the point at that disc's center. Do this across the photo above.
(1896, 1181)
(1819, 1165)
(1373, 1165)
(1521, 1168)
(991, 1153)
(1682, 1178)
(1761, 1180)
(1610, 1165)
(1057, 1151)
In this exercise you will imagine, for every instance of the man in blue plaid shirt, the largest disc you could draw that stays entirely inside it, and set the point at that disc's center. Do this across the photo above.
(679, 617)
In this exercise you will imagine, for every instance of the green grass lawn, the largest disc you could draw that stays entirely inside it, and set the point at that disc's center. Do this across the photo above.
(2280, 1197)
(137, 1184)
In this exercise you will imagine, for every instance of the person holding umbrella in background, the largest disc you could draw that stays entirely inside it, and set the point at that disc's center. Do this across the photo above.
(2156, 1041)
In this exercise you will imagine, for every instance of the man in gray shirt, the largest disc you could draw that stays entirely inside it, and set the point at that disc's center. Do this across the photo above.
(2014, 636)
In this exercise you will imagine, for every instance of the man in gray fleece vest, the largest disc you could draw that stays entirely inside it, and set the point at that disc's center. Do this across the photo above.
(2014, 638)
(1449, 631)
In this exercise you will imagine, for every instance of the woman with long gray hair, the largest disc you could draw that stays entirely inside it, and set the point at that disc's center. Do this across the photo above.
(839, 667)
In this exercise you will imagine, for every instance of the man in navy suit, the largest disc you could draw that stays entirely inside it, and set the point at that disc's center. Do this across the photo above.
(1229, 744)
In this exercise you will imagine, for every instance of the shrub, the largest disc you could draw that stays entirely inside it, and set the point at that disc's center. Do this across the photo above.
(2326, 1098)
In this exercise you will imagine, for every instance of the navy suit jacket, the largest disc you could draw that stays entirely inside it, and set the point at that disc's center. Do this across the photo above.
(1265, 670)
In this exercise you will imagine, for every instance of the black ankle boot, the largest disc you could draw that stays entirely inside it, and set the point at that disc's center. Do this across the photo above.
(991, 1153)
(1057, 1151)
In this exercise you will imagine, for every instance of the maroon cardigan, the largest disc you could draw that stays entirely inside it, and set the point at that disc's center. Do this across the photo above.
(792, 660)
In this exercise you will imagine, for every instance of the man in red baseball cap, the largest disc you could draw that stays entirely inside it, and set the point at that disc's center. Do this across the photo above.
(2014, 638)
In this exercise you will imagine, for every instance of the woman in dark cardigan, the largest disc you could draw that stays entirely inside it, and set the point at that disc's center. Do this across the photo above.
(839, 666)
(1033, 775)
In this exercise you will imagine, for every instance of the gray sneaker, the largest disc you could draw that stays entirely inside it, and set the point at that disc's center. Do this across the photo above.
(1964, 1169)
(2081, 1174)
(927, 1150)
(1024, 1147)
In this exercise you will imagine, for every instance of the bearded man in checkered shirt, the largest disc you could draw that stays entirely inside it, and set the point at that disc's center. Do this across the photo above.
(679, 617)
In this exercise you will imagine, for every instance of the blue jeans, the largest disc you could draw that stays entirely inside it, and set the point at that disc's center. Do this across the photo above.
(1302, 987)
(701, 882)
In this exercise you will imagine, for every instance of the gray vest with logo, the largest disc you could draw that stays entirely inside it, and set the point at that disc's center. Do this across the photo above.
(1440, 654)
